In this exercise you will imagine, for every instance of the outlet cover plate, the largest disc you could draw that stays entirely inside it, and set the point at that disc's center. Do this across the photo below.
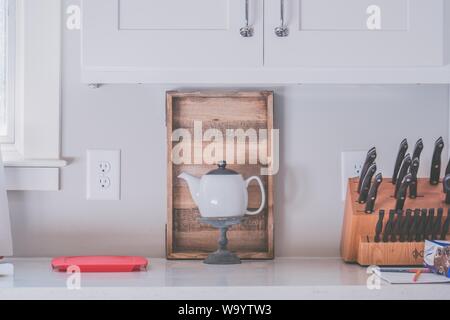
(96, 175)
(351, 165)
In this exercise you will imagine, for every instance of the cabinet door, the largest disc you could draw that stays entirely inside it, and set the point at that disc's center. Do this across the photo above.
(360, 33)
(124, 35)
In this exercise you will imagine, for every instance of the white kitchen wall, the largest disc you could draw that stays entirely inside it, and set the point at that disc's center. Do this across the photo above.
(316, 123)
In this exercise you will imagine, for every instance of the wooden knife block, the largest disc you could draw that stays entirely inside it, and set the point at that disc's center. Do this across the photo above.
(358, 229)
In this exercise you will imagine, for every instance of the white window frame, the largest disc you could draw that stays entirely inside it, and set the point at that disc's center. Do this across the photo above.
(10, 71)
(33, 160)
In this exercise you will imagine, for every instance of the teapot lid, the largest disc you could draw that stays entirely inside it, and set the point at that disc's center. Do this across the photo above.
(222, 170)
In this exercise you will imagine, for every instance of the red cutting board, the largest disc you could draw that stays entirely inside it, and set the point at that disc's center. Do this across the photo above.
(101, 263)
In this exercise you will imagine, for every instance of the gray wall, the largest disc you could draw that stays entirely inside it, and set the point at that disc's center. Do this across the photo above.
(316, 122)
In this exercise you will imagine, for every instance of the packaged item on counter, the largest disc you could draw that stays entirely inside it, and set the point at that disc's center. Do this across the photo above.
(437, 257)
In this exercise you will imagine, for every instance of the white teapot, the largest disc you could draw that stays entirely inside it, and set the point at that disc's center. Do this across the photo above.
(222, 193)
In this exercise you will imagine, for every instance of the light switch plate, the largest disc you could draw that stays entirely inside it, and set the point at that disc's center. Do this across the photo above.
(351, 166)
(103, 174)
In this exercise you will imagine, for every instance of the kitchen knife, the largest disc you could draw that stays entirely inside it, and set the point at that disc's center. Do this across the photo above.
(429, 224)
(402, 173)
(436, 162)
(413, 169)
(445, 226)
(421, 226)
(373, 192)
(398, 162)
(396, 226)
(414, 226)
(418, 148)
(367, 181)
(406, 223)
(437, 224)
(401, 194)
(379, 227)
(388, 227)
(370, 159)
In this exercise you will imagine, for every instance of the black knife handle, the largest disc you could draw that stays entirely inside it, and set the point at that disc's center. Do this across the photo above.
(446, 187)
(398, 162)
(414, 168)
(379, 227)
(397, 226)
(367, 181)
(422, 225)
(402, 173)
(370, 158)
(447, 170)
(437, 224)
(445, 226)
(405, 225)
(373, 193)
(436, 162)
(401, 194)
(429, 225)
(413, 189)
(414, 226)
(389, 226)
(418, 148)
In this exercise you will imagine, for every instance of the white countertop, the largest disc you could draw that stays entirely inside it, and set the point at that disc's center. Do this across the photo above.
(283, 278)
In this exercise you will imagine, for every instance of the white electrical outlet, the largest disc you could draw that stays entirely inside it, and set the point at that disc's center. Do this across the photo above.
(351, 166)
(103, 174)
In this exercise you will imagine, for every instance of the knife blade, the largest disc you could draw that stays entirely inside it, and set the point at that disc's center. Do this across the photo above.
(401, 194)
(396, 226)
(406, 223)
(429, 224)
(413, 169)
(406, 163)
(388, 227)
(418, 148)
(370, 159)
(437, 224)
(413, 229)
(400, 156)
(421, 226)
(373, 193)
(379, 227)
(436, 162)
(367, 181)
(445, 226)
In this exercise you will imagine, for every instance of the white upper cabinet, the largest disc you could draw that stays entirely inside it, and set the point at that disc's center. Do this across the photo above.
(286, 41)
(354, 33)
(157, 34)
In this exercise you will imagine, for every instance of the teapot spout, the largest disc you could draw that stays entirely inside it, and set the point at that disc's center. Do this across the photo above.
(194, 186)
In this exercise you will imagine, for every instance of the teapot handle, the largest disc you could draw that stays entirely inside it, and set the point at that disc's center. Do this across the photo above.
(263, 195)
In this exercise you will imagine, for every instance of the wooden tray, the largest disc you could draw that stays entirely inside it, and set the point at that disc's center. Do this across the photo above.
(186, 238)
(359, 228)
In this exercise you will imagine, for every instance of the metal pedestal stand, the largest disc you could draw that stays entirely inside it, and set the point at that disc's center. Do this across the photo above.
(222, 255)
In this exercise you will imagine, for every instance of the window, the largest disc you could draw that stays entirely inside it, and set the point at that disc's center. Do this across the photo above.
(7, 37)
(30, 55)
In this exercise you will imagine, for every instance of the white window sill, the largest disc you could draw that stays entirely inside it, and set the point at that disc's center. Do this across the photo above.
(31, 174)
(13, 161)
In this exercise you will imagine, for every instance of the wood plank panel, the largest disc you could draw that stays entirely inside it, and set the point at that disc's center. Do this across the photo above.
(187, 238)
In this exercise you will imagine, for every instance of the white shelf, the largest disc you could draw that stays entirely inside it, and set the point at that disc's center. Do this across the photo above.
(287, 278)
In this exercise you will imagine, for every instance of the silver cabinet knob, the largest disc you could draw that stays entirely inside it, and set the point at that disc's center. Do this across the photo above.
(282, 30)
(247, 30)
